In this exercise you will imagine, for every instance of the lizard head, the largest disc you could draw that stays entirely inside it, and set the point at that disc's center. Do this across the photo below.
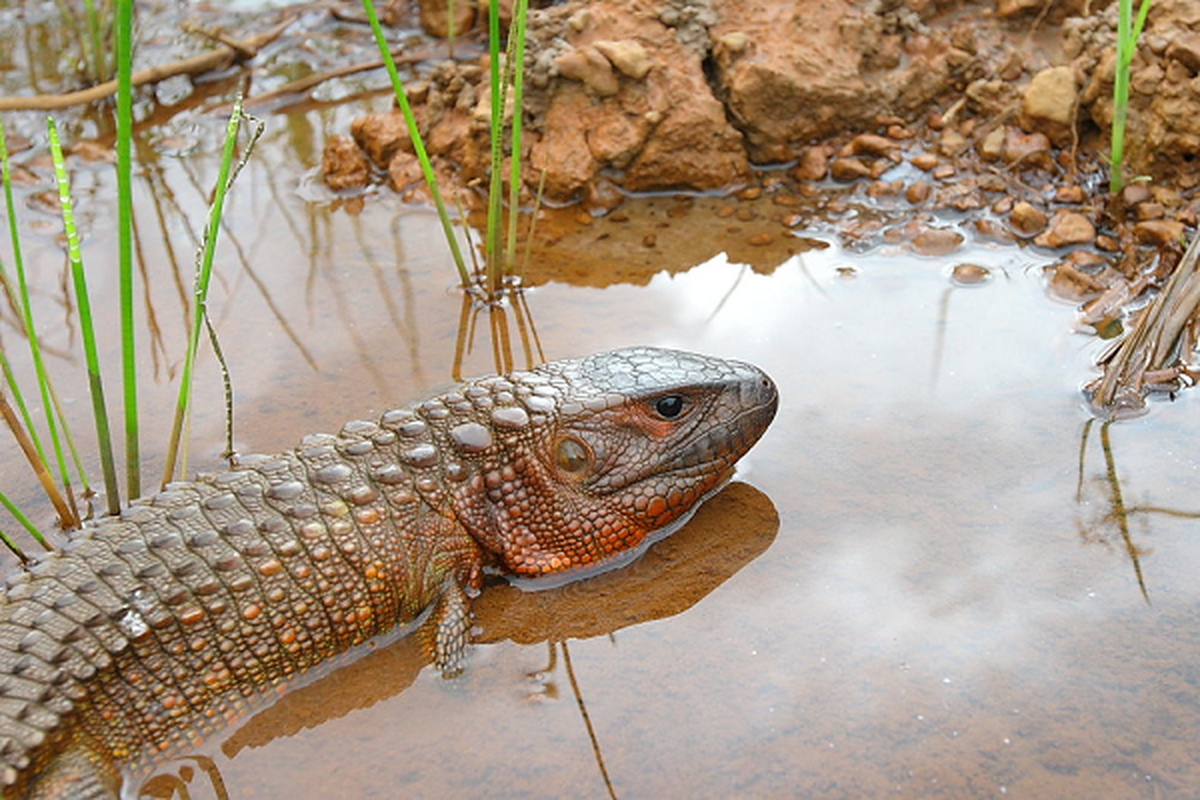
(614, 450)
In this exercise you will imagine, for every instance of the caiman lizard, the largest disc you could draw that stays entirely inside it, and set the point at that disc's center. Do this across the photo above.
(154, 628)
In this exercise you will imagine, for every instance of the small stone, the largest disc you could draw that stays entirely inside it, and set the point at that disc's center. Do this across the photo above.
(814, 164)
(1029, 149)
(879, 189)
(725, 212)
(1070, 193)
(760, 240)
(936, 242)
(1134, 193)
(846, 170)
(734, 41)
(1107, 243)
(628, 56)
(404, 172)
(1148, 211)
(918, 192)
(994, 231)
(649, 240)
(381, 136)
(944, 171)
(992, 146)
(869, 144)
(1026, 219)
(970, 275)
(436, 19)
(952, 143)
(750, 193)
(1067, 227)
(1068, 283)
(924, 161)
(1049, 98)
(344, 165)
(602, 196)
(1002, 206)
(1158, 231)
(590, 68)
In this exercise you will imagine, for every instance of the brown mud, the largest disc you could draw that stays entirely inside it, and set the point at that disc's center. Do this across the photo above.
(920, 123)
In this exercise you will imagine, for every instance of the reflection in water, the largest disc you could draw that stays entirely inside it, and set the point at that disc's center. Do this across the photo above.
(1116, 514)
(727, 533)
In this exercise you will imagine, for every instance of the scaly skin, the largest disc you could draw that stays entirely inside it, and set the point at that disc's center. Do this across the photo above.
(152, 629)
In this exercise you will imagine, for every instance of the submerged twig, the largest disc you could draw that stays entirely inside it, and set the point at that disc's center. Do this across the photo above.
(212, 61)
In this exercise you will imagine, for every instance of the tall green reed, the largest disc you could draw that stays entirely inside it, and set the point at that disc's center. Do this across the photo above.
(414, 134)
(505, 70)
(1128, 31)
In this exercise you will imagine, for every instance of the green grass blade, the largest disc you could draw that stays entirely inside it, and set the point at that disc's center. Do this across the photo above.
(1128, 31)
(516, 35)
(418, 144)
(15, 239)
(24, 523)
(87, 329)
(133, 480)
(1143, 12)
(200, 288)
(497, 97)
(35, 351)
(97, 54)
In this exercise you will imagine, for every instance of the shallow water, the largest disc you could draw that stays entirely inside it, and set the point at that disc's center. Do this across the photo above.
(912, 590)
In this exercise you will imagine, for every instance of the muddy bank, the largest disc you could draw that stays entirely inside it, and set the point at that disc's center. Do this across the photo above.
(650, 95)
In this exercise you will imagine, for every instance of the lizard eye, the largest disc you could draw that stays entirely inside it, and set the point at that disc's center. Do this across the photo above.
(670, 406)
(572, 455)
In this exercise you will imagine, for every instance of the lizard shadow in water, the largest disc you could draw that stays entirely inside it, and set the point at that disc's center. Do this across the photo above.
(728, 532)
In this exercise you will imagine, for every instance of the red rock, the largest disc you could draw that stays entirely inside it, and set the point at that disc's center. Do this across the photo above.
(814, 164)
(1067, 227)
(846, 170)
(1158, 231)
(1026, 219)
(381, 136)
(344, 164)
(936, 242)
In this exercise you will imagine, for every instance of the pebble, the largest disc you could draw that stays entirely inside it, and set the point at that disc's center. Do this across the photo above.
(1030, 149)
(924, 161)
(1067, 227)
(1151, 210)
(846, 170)
(944, 171)
(990, 229)
(992, 146)
(1071, 193)
(628, 56)
(814, 164)
(869, 144)
(970, 275)
(1026, 219)
(918, 192)
(936, 242)
(760, 240)
(952, 143)
(649, 240)
(1134, 193)
(1158, 231)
